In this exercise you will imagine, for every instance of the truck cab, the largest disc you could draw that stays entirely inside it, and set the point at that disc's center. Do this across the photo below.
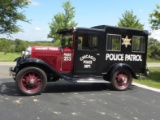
(99, 54)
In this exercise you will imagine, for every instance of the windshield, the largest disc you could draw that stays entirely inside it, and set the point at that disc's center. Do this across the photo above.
(67, 40)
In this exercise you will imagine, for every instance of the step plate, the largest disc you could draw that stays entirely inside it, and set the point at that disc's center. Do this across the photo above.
(91, 80)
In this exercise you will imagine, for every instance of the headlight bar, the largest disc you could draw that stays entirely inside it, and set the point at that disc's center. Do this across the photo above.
(27, 52)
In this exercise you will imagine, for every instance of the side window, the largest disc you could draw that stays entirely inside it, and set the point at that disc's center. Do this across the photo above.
(113, 42)
(138, 44)
(87, 42)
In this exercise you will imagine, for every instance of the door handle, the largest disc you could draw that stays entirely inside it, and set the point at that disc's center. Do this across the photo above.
(98, 54)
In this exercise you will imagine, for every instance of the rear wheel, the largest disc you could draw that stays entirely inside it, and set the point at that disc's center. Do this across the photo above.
(121, 79)
(31, 80)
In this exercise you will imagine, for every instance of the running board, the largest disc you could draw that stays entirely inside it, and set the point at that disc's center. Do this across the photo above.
(91, 80)
(85, 79)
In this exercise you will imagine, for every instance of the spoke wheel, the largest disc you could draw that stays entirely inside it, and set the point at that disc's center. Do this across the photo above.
(31, 81)
(121, 79)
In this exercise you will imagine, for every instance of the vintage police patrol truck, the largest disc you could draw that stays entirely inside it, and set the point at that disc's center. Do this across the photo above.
(90, 55)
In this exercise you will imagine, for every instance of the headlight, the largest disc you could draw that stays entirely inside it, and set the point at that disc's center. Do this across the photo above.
(27, 53)
(29, 49)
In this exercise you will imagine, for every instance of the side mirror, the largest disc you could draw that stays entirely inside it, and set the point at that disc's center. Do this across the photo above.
(63, 42)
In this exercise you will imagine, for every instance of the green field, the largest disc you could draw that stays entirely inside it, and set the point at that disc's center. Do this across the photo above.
(153, 80)
(153, 61)
(9, 57)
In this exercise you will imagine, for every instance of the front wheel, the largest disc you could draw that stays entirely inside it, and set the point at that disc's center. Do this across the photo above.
(121, 79)
(31, 80)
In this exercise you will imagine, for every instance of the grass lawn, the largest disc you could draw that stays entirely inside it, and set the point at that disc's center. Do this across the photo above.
(153, 80)
(9, 57)
(153, 61)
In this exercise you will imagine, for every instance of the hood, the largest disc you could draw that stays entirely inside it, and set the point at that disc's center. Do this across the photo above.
(46, 53)
(43, 51)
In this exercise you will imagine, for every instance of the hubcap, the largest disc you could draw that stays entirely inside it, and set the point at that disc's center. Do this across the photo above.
(121, 80)
(31, 81)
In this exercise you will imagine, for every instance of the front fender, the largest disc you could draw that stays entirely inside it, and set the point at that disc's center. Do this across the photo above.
(22, 63)
(122, 65)
(18, 59)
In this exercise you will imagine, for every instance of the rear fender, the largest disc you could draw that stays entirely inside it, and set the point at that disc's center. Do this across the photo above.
(115, 67)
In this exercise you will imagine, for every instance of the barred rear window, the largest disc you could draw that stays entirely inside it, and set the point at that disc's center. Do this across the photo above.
(138, 44)
(113, 42)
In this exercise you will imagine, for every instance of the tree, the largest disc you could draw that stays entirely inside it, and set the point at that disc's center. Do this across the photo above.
(62, 20)
(155, 18)
(153, 43)
(5, 45)
(10, 15)
(153, 49)
(130, 20)
(20, 45)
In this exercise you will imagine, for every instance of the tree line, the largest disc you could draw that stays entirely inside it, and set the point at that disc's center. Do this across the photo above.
(17, 45)
(153, 49)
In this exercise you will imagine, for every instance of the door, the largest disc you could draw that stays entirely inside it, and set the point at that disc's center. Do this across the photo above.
(67, 53)
(87, 54)
(67, 60)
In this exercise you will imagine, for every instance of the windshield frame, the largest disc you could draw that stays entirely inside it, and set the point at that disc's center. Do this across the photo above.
(67, 40)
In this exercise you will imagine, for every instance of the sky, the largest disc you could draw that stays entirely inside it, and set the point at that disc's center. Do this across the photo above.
(88, 13)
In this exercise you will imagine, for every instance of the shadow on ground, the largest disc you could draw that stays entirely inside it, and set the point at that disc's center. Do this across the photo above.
(10, 89)
(76, 87)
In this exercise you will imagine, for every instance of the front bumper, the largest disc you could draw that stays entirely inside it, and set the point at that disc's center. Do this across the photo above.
(12, 72)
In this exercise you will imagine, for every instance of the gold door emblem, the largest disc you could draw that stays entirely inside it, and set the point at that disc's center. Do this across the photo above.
(126, 41)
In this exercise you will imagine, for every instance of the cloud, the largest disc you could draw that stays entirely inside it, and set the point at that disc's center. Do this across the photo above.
(155, 34)
(34, 3)
(140, 11)
(37, 28)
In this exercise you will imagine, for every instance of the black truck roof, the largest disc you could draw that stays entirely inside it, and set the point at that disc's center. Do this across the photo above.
(105, 27)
